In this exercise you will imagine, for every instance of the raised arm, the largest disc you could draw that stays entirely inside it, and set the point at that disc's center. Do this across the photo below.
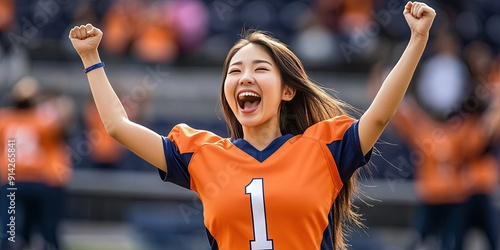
(139, 139)
(419, 17)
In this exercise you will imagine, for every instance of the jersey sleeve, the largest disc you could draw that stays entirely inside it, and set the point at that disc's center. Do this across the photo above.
(340, 135)
(179, 146)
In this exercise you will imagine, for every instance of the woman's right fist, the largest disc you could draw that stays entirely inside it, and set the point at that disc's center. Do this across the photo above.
(85, 38)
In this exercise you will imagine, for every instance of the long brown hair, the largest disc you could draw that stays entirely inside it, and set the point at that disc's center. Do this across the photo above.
(311, 104)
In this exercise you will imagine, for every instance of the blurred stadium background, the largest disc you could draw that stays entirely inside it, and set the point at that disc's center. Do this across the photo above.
(165, 58)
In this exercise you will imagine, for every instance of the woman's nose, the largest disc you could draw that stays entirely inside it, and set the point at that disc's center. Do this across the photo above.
(246, 79)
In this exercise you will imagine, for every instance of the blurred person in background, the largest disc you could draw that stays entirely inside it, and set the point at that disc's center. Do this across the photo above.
(444, 79)
(339, 29)
(156, 32)
(42, 164)
(456, 170)
(455, 175)
(273, 110)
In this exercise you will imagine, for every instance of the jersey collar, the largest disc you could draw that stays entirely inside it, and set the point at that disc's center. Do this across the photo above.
(265, 153)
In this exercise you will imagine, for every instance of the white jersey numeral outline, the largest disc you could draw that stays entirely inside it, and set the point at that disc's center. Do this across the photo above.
(256, 191)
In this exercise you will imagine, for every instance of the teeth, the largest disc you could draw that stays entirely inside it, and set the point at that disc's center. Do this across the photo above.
(248, 94)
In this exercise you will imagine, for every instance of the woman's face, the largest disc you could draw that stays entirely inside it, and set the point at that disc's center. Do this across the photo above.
(253, 88)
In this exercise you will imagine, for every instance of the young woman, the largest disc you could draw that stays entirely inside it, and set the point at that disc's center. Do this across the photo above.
(290, 162)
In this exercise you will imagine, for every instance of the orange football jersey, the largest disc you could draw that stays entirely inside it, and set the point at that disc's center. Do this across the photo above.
(40, 154)
(277, 198)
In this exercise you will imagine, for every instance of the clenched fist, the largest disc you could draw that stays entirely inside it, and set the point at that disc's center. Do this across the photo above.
(85, 38)
(419, 17)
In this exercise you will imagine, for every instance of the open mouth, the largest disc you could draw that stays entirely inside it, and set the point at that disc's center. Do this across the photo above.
(248, 101)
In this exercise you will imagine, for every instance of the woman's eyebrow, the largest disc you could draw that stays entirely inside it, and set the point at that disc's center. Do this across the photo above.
(254, 62)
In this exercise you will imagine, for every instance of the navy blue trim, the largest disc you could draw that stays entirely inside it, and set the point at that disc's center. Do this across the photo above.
(211, 241)
(347, 153)
(177, 165)
(327, 242)
(264, 154)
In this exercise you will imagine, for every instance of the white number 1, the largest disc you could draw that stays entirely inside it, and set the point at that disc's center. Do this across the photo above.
(256, 191)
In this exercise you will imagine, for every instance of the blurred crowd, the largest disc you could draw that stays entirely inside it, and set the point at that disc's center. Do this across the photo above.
(445, 135)
(200, 31)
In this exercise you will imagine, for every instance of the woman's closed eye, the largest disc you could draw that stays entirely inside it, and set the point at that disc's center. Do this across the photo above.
(234, 71)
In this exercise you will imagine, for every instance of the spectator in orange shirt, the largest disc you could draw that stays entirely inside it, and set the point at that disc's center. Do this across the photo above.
(456, 171)
(42, 165)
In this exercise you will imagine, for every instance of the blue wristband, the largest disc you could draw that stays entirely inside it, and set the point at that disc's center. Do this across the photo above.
(95, 66)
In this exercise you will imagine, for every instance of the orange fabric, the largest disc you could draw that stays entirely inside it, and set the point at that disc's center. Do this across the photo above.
(484, 174)
(357, 12)
(300, 182)
(117, 37)
(439, 177)
(7, 14)
(447, 169)
(119, 26)
(40, 155)
(156, 43)
(142, 29)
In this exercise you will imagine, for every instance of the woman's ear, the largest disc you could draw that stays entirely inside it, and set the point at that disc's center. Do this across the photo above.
(288, 93)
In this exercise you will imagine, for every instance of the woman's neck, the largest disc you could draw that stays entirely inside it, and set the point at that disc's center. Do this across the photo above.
(260, 137)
